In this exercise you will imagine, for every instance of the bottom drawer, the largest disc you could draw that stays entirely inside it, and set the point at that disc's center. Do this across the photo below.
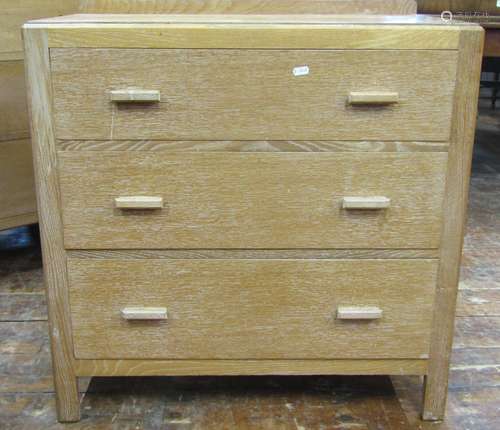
(251, 309)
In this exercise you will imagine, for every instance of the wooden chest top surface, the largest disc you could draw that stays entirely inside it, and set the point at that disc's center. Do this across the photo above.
(328, 19)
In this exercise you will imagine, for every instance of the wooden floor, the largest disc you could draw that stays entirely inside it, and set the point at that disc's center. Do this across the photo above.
(299, 403)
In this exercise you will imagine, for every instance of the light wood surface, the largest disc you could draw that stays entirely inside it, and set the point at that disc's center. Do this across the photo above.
(359, 313)
(248, 367)
(267, 100)
(454, 219)
(13, 111)
(244, 200)
(94, 21)
(366, 203)
(251, 146)
(18, 220)
(251, 309)
(54, 258)
(259, 254)
(139, 202)
(378, 98)
(17, 187)
(144, 313)
(134, 96)
(14, 13)
(394, 34)
(394, 7)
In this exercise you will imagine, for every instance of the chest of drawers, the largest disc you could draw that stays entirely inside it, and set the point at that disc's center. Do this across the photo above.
(251, 195)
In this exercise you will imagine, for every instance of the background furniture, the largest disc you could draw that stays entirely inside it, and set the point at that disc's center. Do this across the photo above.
(469, 6)
(288, 209)
(17, 190)
(484, 12)
(491, 65)
(487, 14)
(384, 7)
(491, 60)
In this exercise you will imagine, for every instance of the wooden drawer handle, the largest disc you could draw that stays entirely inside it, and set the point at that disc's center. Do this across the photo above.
(375, 98)
(359, 313)
(138, 313)
(139, 202)
(135, 96)
(366, 203)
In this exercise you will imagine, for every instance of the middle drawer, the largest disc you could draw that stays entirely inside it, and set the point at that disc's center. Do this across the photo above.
(251, 200)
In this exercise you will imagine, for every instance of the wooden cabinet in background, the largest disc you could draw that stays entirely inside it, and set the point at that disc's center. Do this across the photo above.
(17, 189)
(435, 7)
(381, 7)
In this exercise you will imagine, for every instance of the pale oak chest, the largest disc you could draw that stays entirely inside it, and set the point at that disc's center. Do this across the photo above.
(252, 195)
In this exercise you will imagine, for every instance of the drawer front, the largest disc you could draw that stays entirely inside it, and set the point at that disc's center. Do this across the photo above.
(253, 94)
(250, 200)
(250, 309)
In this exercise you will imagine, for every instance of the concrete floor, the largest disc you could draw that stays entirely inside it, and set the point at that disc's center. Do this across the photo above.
(299, 403)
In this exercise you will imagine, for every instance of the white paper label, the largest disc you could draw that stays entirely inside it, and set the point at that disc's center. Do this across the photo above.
(301, 71)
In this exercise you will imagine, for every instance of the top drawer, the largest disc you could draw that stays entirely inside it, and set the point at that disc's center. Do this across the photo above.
(226, 94)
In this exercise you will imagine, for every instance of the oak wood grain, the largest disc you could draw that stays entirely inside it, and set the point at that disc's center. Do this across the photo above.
(251, 309)
(455, 211)
(91, 21)
(245, 200)
(16, 12)
(267, 101)
(13, 110)
(54, 258)
(246, 34)
(391, 7)
(18, 220)
(17, 187)
(249, 367)
(259, 254)
(251, 146)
